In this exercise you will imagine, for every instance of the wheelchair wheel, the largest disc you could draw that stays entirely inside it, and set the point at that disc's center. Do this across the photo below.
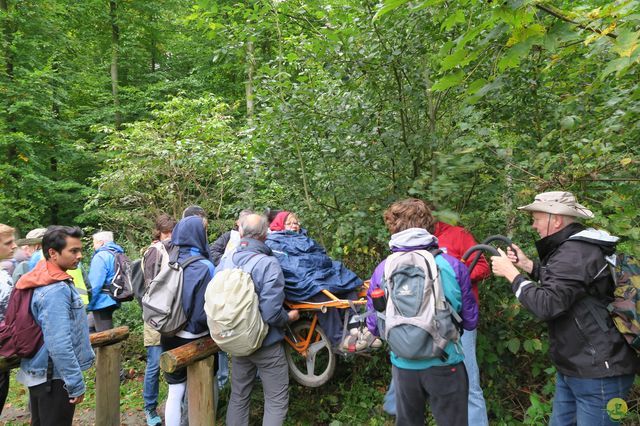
(315, 367)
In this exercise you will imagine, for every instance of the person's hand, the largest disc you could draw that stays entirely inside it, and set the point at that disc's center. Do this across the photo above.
(502, 266)
(294, 315)
(519, 259)
(77, 400)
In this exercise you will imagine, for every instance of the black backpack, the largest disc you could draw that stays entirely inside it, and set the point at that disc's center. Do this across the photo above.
(137, 279)
(120, 288)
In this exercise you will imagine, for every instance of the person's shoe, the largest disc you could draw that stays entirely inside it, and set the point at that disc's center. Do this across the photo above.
(153, 419)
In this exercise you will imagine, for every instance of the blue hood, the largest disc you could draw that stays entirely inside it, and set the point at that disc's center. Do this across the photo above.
(190, 232)
(191, 238)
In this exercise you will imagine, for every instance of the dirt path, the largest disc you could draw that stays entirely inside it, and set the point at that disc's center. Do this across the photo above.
(12, 416)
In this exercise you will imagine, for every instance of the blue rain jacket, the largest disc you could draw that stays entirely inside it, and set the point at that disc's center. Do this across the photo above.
(307, 268)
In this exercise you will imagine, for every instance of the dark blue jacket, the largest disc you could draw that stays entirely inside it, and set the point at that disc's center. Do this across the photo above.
(307, 268)
(191, 238)
(269, 283)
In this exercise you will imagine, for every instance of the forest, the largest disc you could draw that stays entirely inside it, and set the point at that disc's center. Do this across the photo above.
(114, 111)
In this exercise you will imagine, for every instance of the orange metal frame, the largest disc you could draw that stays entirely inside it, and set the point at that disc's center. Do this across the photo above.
(333, 302)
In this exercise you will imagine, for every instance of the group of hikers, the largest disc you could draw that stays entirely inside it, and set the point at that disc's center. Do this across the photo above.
(422, 300)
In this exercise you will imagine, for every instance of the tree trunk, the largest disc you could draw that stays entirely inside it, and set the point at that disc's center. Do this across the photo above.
(154, 57)
(431, 116)
(508, 196)
(8, 31)
(251, 63)
(115, 41)
(8, 36)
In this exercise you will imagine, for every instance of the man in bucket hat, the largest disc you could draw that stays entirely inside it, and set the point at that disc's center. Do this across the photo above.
(569, 287)
(31, 246)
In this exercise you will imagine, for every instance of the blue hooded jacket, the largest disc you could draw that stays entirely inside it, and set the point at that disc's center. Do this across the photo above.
(191, 238)
(307, 268)
(101, 272)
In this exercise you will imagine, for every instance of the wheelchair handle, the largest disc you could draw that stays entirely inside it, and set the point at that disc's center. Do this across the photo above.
(485, 246)
(479, 247)
(502, 238)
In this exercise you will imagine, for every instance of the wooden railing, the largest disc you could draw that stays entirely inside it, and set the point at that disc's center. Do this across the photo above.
(198, 358)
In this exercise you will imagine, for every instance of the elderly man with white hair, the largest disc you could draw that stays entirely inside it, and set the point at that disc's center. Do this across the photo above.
(569, 287)
(101, 273)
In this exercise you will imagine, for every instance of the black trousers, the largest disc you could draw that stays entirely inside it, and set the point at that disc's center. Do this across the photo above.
(4, 388)
(50, 405)
(445, 388)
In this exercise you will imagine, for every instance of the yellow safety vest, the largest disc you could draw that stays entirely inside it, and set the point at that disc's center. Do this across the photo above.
(78, 281)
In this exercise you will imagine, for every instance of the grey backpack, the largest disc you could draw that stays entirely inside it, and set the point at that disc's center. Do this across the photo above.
(418, 322)
(162, 301)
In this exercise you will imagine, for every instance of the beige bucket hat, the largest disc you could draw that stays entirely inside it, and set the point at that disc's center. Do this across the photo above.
(558, 202)
(33, 237)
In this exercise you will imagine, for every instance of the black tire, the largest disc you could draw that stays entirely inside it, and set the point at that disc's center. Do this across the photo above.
(317, 367)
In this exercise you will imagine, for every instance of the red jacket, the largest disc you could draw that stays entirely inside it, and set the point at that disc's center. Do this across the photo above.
(455, 240)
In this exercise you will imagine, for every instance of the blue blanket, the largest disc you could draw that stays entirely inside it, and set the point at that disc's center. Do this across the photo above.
(307, 268)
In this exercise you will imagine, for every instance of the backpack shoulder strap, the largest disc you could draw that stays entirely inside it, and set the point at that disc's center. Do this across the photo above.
(251, 262)
(388, 263)
(430, 260)
(188, 261)
(435, 251)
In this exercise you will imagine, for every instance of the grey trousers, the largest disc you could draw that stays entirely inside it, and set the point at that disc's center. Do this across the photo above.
(445, 388)
(271, 364)
(103, 318)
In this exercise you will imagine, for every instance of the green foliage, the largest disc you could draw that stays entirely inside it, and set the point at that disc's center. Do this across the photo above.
(334, 110)
(188, 152)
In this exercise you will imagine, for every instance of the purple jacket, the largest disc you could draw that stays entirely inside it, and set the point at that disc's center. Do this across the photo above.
(469, 311)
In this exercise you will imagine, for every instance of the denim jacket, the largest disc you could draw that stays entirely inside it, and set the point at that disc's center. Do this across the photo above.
(59, 311)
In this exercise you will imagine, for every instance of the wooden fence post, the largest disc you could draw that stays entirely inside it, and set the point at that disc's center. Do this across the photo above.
(200, 377)
(108, 349)
(108, 385)
(197, 357)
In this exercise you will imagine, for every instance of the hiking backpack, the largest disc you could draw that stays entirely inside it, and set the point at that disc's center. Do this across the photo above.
(162, 301)
(418, 322)
(120, 288)
(232, 309)
(20, 335)
(138, 279)
(625, 307)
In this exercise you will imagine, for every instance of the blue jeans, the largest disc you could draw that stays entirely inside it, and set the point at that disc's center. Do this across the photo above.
(223, 369)
(476, 404)
(151, 384)
(584, 401)
(389, 404)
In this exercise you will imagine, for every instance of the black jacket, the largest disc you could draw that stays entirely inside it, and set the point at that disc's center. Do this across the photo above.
(574, 287)
(218, 247)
